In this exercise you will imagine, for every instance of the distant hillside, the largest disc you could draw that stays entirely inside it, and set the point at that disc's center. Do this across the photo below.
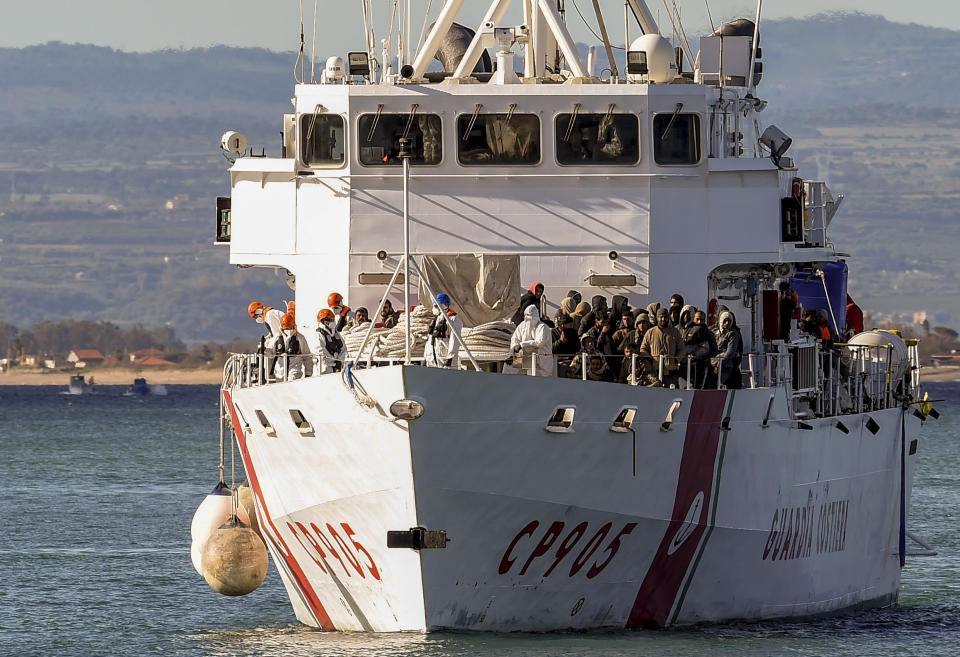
(81, 82)
(109, 167)
(840, 60)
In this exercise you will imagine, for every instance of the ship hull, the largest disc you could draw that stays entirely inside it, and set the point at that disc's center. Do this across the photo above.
(727, 510)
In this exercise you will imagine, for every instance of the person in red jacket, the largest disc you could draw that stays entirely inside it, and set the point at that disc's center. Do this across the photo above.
(854, 316)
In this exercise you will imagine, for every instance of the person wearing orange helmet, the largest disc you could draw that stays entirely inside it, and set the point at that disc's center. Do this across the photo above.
(270, 318)
(342, 313)
(293, 352)
(266, 315)
(333, 348)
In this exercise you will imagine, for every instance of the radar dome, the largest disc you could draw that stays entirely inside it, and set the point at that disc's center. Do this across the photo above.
(661, 60)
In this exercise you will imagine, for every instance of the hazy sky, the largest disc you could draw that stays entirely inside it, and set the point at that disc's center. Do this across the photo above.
(141, 25)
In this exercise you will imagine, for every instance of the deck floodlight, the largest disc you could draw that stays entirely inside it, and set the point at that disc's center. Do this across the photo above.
(234, 142)
(358, 63)
(637, 62)
(778, 142)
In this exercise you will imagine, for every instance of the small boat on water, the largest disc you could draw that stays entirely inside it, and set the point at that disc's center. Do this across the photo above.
(79, 385)
(142, 388)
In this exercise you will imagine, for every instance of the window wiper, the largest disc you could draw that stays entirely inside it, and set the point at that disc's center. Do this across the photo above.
(605, 123)
(376, 120)
(666, 131)
(313, 119)
(573, 118)
(413, 114)
(473, 119)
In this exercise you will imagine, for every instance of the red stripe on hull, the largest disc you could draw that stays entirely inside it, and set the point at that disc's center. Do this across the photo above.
(679, 545)
(300, 578)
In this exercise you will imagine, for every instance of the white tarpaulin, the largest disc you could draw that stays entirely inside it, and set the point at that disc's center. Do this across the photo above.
(484, 288)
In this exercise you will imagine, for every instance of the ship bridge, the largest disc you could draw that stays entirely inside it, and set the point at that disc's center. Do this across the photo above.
(609, 186)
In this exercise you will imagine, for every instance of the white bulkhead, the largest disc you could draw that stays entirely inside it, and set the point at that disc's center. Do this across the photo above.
(669, 224)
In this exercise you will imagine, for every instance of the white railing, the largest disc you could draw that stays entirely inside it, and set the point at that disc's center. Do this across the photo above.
(850, 379)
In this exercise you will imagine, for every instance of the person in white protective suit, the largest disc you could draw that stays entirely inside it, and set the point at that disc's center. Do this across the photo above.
(293, 353)
(333, 349)
(270, 318)
(442, 348)
(532, 336)
(342, 313)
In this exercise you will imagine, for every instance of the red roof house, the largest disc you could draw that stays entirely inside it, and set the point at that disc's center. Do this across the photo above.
(84, 357)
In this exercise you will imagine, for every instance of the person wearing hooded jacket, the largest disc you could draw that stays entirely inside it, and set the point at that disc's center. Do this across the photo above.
(700, 346)
(676, 301)
(533, 296)
(665, 340)
(598, 307)
(565, 344)
(333, 349)
(618, 304)
(567, 308)
(532, 336)
(729, 351)
(588, 348)
(652, 310)
(581, 311)
(442, 348)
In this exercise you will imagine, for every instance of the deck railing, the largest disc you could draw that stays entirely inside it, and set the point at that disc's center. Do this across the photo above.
(819, 382)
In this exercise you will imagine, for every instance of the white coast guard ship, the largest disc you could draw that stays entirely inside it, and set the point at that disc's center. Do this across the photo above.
(398, 497)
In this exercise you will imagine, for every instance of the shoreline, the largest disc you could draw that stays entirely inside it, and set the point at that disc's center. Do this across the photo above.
(939, 374)
(113, 376)
(116, 376)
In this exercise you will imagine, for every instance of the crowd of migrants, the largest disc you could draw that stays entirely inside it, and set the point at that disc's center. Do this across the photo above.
(653, 346)
(600, 339)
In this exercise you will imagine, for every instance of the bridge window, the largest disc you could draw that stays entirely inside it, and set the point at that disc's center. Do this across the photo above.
(597, 138)
(379, 137)
(498, 139)
(322, 139)
(676, 138)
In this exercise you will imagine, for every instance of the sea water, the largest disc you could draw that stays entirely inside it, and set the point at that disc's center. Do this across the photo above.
(97, 493)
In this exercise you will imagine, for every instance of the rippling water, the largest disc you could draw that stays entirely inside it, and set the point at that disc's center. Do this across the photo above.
(97, 493)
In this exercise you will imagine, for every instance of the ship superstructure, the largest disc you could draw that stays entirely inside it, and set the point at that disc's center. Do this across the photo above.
(401, 497)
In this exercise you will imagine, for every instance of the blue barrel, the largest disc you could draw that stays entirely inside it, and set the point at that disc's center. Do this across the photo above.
(809, 288)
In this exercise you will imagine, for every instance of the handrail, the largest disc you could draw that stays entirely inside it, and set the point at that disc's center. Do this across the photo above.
(853, 379)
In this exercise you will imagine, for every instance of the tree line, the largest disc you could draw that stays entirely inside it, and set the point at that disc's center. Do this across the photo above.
(48, 338)
(58, 339)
